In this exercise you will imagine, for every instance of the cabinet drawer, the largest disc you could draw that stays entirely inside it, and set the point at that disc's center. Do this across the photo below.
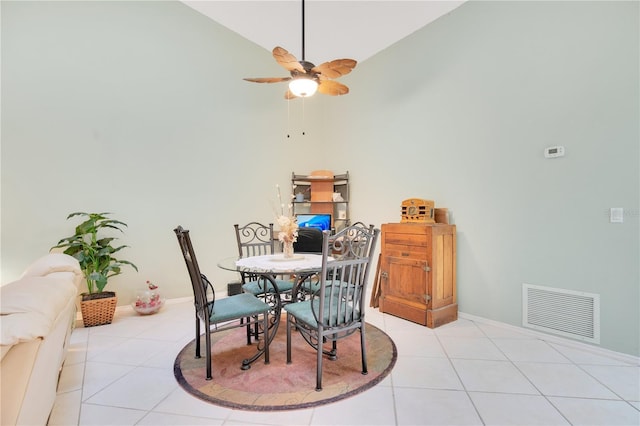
(404, 239)
(405, 251)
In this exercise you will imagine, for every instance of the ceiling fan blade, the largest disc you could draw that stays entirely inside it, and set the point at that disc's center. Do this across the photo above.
(336, 68)
(332, 88)
(268, 79)
(287, 60)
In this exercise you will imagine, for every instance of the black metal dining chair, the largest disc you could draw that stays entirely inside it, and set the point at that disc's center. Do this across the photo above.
(337, 309)
(310, 283)
(256, 239)
(241, 310)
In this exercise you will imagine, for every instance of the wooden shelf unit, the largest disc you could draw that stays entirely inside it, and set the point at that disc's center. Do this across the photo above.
(318, 188)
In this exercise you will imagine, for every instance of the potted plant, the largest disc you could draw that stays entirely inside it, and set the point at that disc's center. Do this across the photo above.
(95, 254)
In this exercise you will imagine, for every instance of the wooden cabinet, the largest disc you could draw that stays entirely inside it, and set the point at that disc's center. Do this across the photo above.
(314, 193)
(418, 272)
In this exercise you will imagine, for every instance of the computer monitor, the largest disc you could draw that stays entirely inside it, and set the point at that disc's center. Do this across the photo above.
(321, 221)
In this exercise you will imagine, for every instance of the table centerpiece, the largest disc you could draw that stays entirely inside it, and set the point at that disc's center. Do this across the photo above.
(288, 233)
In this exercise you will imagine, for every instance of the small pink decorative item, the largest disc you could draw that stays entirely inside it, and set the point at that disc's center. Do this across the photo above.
(148, 301)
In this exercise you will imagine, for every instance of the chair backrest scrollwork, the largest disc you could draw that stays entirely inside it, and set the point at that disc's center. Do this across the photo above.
(254, 239)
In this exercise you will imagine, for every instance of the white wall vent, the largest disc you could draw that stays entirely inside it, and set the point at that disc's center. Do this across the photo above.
(567, 313)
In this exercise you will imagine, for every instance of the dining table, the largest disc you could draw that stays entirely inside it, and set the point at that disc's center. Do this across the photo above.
(270, 269)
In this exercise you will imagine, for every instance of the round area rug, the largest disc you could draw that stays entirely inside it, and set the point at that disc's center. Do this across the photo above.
(278, 385)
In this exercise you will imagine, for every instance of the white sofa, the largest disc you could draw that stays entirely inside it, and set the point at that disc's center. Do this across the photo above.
(37, 315)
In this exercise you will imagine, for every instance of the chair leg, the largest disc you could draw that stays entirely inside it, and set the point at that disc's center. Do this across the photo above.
(248, 330)
(266, 337)
(363, 349)
(288, 339)
(208, 355)
(319, 365)
(197, 336)
(333, 353)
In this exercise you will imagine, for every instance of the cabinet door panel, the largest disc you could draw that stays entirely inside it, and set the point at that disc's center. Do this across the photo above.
(407, 279)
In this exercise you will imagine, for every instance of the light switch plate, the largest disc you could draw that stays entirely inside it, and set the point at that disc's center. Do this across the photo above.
(616, 215)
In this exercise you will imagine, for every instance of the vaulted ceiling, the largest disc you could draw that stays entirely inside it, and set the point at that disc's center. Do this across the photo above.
(355, 29)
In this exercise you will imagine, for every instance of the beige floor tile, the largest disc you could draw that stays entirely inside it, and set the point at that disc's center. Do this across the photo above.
(462, 373)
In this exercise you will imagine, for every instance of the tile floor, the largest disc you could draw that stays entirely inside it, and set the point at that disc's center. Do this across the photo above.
(471, 372)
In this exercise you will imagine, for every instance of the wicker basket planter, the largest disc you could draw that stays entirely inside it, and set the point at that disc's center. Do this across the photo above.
(98, 308)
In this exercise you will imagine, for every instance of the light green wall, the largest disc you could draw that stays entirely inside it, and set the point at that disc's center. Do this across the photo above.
(460, 113)
(139, 109)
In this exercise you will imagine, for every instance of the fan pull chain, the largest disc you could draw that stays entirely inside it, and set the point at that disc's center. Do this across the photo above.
(288, 118)
(303, 132)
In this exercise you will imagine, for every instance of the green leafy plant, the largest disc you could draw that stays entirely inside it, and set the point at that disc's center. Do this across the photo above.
(95, 253)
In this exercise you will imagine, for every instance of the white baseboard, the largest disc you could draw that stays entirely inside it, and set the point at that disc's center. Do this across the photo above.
(124, 308)
(556, 339)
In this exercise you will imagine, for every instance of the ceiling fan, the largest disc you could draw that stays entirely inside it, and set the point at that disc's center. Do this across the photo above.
(306, 77)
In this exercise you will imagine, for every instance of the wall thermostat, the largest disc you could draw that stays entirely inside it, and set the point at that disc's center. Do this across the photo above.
(553, 151)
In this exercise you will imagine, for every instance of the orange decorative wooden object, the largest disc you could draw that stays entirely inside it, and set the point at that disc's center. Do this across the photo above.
(321, 186)
(417, 210)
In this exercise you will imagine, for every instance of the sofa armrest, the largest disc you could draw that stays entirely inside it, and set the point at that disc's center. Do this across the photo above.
(54, 262)
(30, 306)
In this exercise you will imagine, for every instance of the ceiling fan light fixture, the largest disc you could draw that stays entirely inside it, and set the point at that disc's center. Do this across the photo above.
(305, 76)
(303, 87)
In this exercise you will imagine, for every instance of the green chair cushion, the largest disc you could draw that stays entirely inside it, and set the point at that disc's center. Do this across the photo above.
(303, 311)
(257, 287)
(238, 306)
(313, 287)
